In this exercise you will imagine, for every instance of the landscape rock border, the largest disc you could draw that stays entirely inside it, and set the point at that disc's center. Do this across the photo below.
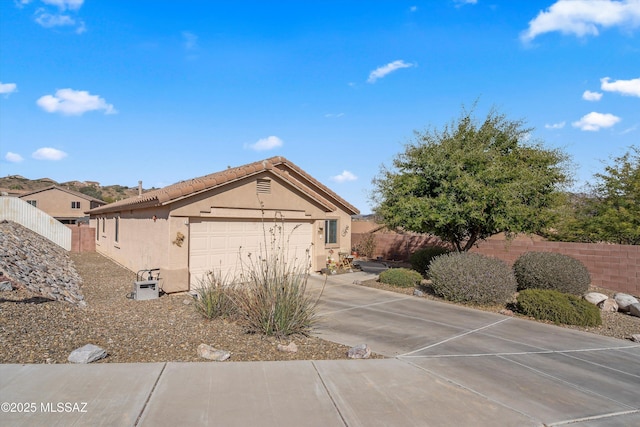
(30, 260)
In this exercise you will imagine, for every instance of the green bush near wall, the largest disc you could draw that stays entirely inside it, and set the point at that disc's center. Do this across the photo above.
(557, 307)
(401, 277)
(471, 277)
(421, 259)
(550, 270)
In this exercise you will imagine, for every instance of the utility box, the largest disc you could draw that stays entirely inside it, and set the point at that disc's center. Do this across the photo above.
(145, 289)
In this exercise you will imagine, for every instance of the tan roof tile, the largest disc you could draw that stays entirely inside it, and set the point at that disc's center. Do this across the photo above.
(278, 165)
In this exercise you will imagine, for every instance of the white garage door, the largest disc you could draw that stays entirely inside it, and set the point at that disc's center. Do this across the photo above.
(219, 245)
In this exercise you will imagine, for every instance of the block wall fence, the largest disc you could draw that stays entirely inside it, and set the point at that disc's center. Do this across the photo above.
(615, 267)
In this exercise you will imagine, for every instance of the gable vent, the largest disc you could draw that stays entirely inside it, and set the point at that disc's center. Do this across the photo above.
(264, 186)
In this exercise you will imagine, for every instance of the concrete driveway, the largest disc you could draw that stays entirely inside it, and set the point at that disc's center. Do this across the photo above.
(489, 364)
(446, 366)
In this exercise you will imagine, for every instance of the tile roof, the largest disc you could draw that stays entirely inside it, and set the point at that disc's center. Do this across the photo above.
(278, 165)
(66, 190)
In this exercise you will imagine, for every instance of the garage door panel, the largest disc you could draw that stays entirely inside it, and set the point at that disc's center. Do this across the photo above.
(217, 245)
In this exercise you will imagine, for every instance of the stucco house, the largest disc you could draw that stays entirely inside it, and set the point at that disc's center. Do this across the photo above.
(202, 224)
(67, 206)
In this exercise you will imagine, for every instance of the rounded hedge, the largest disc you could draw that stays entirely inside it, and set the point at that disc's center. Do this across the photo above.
(421, 259)
(471, 277)
(401, 277)
(549, 270)
(558, 307)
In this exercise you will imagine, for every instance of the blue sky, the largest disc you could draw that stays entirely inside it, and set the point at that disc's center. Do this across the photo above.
(161, 91)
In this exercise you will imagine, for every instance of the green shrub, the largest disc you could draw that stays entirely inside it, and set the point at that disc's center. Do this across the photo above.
(271, 295)
(470, 277)
(214, 297)
(421, 259)
(549, 270)
(401, 277)
(558, 307)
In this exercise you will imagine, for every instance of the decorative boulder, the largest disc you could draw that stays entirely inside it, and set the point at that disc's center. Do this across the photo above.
(289, 348)
(595, 298)
(87, 354)
(207, 352)
(634, 309)
(361, 351)
(608, 305)
(624, 301)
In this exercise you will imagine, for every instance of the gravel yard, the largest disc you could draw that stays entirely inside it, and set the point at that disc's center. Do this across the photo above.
(35, 330)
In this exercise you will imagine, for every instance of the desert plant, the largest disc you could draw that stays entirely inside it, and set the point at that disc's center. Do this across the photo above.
(367, 245)
(557, 307)
(549, 270)
(214, 296)
(272, 297)
(401, 277)
(471, 277)
(421, 259)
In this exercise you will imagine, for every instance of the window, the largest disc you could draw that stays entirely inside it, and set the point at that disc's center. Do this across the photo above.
(331, 231)
(75, 205)
(104, 221)
(97, 228)
(117, 228)
(33, 203)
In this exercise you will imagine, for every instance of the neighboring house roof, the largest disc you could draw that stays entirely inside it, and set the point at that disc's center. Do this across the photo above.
(66, 190)
(279, 166)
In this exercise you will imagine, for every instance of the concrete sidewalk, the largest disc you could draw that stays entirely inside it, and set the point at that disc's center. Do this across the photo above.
(447, 365)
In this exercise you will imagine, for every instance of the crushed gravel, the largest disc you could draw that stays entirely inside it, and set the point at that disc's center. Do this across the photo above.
(34, 329)
(37, 330)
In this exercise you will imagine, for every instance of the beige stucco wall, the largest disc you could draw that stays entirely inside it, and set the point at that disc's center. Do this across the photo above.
(283, 200)
(164, 242)
(57, 203)
(142, 241)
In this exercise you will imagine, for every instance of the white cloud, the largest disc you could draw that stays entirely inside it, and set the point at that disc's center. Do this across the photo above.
(65, 4)
(47, 153)
(555, 125)
(591, 96)
(595, 121)
(623, 87)
(7, 88)
(333, 115)
(268, 143)
(413, 8)
(344, 177)
(583, 17)
(48, 20)
(13, 157)
(81, 27)
(74, 103)
(190, 40)
(629, 130)
(460, 3)
(380, 72)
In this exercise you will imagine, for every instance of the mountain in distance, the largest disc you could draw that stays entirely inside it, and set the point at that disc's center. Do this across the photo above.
(16, 185)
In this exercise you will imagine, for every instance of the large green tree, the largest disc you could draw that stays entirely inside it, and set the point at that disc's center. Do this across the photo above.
(612, 212)
(471, 180)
